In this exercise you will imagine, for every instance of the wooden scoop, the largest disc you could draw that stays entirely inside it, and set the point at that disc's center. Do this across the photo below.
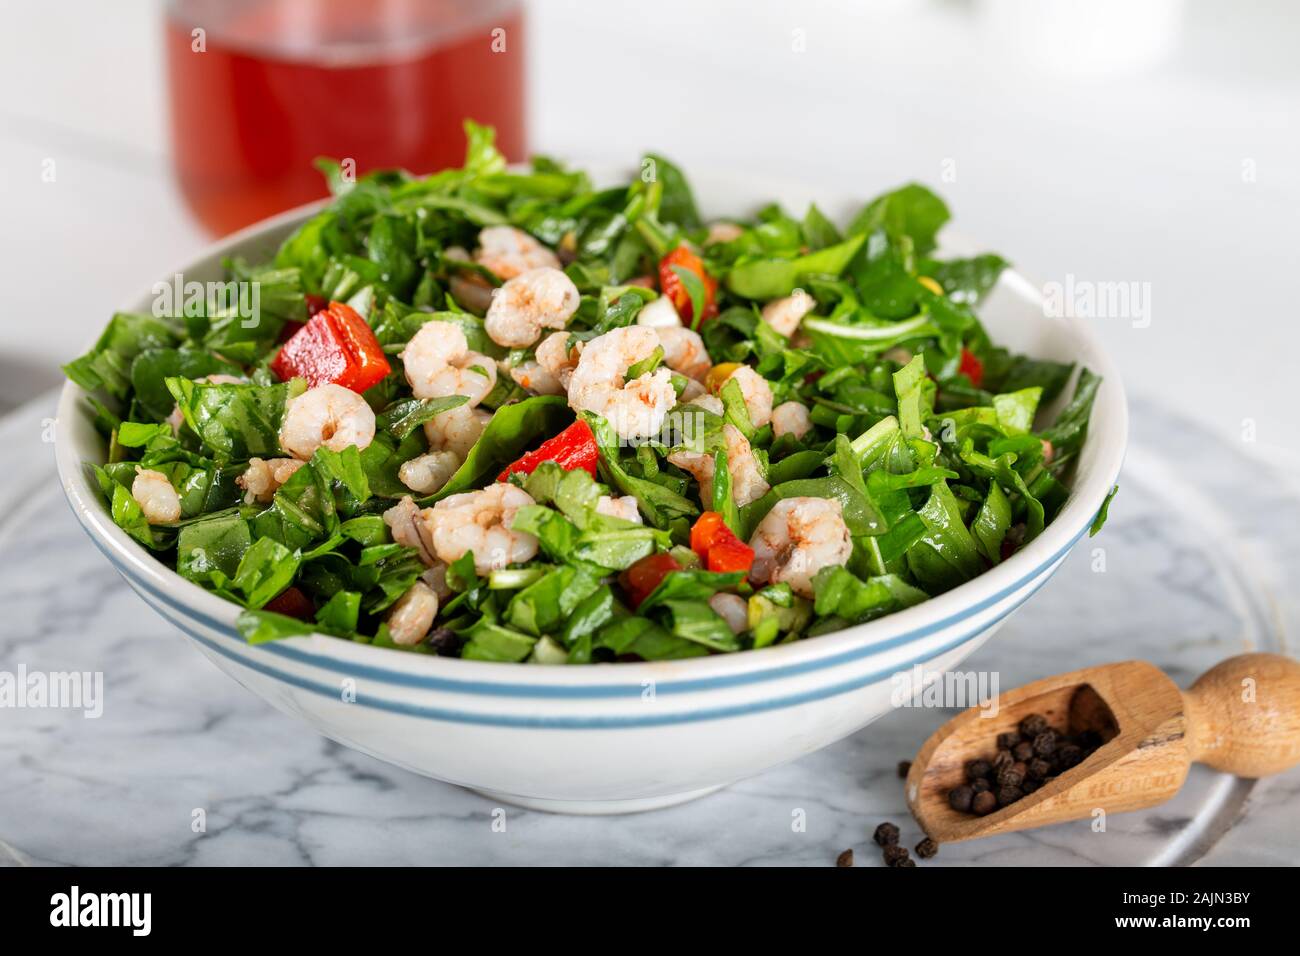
(1242, 717)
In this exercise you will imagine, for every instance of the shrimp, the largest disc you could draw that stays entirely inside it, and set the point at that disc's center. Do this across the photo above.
(509, 252)
(468, 288)
(556, 358)
(439, 363)
(635, 409)
(615, 507)
(426, 474)
(709, 403)
(756, 392)
(791, 418)
(436, 578)
(412, 615)
(659, 314)
(784, 315)
(747, 481)
(177, 417)
(479, 522)
(457, 429)
(684, 352)
(155, 496)
(723, 232)
(531, 301)
(532, 375)
(798, 538)
(733, 609)
(264, 476)
(328, 415)
(409, 529)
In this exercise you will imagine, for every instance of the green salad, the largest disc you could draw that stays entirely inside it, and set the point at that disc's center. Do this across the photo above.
(513, 416)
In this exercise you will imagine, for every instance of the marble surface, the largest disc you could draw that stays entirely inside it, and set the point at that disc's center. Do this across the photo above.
(185, 767)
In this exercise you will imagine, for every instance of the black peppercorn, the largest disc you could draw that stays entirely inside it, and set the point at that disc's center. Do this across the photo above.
(904, 766)
(886, 834)
(980, 785)
(1023, 750)
(977, 769)
(1010, 777)
(1070, 756)
(845, 858)
(927, 848)
(1003, 760)
(1045, 743)
(894, 855)
(1008, 740)
(984, 803)
(1007, 795)
(1033, 725)
(959, 798)
(1039, 769)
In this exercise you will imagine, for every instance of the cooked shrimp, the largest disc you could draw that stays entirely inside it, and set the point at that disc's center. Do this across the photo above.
(468, 288)
(708, 402)
(509, 252)
(426, 474)
(723, 232)
(531, 301)
(328, 415)
(791, 418)
(784, 315)
(264, 476)
(733, 609)
(412, 615)
(798, 538)
(615, 507)
(456, 430)
(756, 392)
(479, 522)
(436, 578)
(155, 496)
(659, 314)
(747, 481)
(684, 352)
(556, 358)
(409, 529)
(635, 409)
(176, 418)
(532, 375)
(439, 363)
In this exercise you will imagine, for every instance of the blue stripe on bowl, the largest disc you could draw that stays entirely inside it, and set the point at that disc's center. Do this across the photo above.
(583, 692)
(607, 722)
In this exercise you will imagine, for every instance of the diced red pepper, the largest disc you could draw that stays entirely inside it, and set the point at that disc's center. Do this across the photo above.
(718, 546)
(571, 449)
(315, 303)
(671, 285)
(643, 577)
(971, 367)
(334, 346)
(291, 602)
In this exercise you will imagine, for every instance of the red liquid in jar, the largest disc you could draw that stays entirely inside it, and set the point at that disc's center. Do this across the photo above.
(281, 82)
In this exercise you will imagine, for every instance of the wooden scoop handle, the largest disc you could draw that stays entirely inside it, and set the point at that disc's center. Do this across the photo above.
(1243, 715)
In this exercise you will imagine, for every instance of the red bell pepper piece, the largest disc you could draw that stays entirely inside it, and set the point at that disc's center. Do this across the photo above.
(291, 602)
(315, 303)
(718, 546)
(971, 367)
(571, 449)
(643, 577)
(334, 346)
(670, 284)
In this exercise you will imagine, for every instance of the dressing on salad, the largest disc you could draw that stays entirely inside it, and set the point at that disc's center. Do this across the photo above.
(512, 416)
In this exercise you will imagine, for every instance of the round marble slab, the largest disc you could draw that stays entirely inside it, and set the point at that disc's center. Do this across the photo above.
(183, 766)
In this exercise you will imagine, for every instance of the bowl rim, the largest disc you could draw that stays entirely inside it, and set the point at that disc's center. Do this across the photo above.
(995, 585)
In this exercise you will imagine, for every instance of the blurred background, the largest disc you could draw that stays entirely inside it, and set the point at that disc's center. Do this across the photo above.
(1154, 144)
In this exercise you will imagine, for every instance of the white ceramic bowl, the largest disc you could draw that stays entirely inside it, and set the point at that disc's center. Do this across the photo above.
(622, 737)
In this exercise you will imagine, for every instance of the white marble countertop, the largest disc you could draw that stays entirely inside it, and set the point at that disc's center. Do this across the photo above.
(1193, 574)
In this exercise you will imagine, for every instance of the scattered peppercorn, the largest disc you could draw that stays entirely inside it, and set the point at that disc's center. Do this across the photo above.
(927, 848)
(886, 835)
(845, 858)
(895, 855)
